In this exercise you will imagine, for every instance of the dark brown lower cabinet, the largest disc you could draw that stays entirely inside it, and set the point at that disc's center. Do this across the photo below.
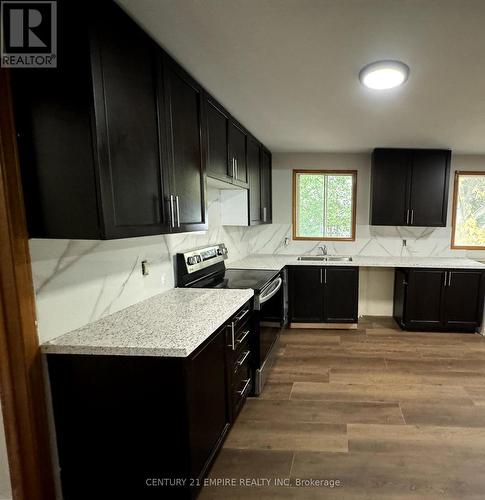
(323, 294)
(145, 427)
(439, 299)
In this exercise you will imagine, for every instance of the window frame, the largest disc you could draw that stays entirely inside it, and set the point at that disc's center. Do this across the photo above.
(458, 173)
(353, 173)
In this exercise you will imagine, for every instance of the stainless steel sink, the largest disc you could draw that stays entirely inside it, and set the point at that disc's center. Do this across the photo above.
(312, 257)
(339, 259)
(325, 258)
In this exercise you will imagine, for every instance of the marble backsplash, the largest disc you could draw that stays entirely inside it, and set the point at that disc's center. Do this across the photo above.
(370, 240)
(77, 282)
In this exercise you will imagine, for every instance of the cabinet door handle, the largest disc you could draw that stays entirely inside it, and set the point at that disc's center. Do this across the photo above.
(446, 277)
(234, 168)
(244, 389)
(321, 275)
(325, 275)
(264, 214)
(233, 344)
(235, 163)
(243, 358)
(412, 216)
(178, 210)
(241, 316)
(241, 339)
(449, 277)
(172, 212)
(407, 216)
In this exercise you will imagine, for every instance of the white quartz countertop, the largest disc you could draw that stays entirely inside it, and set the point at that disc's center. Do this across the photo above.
(277, 262)
(172, 324)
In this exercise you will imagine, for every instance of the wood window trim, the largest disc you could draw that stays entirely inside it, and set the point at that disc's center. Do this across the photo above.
(455, 206)
(21, 375)
(354, 203)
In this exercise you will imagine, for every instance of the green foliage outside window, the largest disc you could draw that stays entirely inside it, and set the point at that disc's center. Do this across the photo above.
(470, 211)
(324, 205)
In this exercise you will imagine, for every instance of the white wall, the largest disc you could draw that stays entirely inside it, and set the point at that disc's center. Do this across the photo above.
(5, 490)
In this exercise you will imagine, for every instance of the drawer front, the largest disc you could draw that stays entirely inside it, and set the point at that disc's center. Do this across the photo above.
(242, 385)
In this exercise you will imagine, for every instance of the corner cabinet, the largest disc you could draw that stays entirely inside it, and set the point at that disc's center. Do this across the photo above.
(439, 299)
(323, 294)
(409, 187)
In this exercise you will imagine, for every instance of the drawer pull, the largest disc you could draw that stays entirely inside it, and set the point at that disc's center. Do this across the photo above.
(241, 339)
(241, 316)
(245, 388)
(241, 361)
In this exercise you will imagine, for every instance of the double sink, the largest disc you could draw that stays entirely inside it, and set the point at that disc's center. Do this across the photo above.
(325, 258)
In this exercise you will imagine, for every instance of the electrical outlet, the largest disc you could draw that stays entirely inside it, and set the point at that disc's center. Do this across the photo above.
(404, 243)
(145, 271)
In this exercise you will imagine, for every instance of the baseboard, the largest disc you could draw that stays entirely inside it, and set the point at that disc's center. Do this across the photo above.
(325, 326)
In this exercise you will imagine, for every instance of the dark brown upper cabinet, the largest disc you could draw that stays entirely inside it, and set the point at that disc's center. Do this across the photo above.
(90, 138)
(217, 141)
(186, 155)
(266, 186)
(254, 172)
(409, 187)
(238, 154)
(226, 146)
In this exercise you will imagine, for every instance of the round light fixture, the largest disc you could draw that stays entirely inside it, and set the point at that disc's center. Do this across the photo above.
(383, 75)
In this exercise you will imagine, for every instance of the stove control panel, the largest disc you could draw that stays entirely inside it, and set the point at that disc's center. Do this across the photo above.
(195, 260)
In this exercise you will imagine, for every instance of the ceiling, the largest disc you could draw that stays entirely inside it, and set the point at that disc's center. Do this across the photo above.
(288, 69)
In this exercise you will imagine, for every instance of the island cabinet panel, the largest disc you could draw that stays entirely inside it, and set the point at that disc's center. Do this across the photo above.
(409, 187)
(320, 294)
(439, 299)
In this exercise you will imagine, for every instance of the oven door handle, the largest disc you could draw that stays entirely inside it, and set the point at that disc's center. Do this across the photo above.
(264, 298)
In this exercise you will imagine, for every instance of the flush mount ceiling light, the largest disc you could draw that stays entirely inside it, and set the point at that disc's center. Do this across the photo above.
(383, 75)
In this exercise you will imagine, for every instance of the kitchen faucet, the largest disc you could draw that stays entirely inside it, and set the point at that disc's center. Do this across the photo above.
(323, 248)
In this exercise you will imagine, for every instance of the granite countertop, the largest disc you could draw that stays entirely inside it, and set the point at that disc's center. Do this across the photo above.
(172, 324)
(277, 262)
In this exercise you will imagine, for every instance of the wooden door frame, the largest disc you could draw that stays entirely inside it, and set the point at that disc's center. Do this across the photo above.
(22, 387)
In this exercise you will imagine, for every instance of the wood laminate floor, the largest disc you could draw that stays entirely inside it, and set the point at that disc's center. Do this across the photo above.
(389, 414)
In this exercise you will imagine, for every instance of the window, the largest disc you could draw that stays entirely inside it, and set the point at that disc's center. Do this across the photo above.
(324, 204)
(468, 229)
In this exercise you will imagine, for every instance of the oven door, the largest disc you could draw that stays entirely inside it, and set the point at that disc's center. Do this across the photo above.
(269, 314)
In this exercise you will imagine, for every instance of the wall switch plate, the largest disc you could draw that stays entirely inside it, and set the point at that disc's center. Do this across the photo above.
(145, 271)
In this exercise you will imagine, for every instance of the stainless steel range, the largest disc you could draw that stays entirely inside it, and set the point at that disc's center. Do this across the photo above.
(205, 268)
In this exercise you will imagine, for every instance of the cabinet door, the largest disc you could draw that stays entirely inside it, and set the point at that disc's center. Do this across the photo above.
(306, 294)
(125, 79)
(237, 154)
(254, 170)
(207, 403)
(186, 158)
(341, 294)
(390, 187)
(463, 303)
(217, 141)
(424, 298)
(266, 187)
(429, 187)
